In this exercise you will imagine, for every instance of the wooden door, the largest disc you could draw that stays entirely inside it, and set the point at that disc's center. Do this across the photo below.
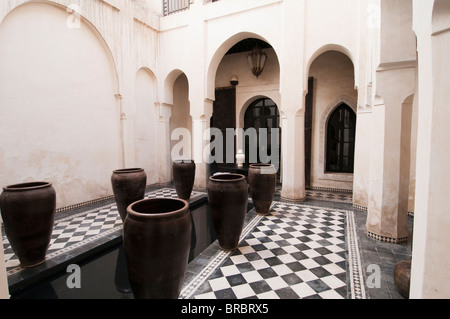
(224, 116)
(308, 131)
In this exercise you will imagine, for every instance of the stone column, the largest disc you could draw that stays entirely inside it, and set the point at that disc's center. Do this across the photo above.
(363, 150)
(293, 156)
(164, 162)
(390, 156)
(200, 142)
(293, 89)
(394, 85)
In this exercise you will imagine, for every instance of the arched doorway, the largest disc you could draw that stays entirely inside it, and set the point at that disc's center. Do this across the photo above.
(235, 86)
(340, 144)
(331, 121)
(263, 116)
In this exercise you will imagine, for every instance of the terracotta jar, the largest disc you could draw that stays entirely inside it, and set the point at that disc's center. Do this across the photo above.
(262, 180)
(128, 187)
(228, 199)
(28, 212)
(156, 241)
(183, 176)
(402, 277)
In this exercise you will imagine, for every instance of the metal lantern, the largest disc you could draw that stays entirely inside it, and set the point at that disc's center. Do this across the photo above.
(257, 60)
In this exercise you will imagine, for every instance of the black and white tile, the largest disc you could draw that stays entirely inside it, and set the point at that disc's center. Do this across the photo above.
(323, 195)
(298, 251)
(330, 196)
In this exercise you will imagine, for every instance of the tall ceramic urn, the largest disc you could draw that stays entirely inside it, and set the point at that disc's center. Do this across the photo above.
(184, 176)
(157, 242)
(128, 187)
(228, 199)
(262, 180)
(28, 212)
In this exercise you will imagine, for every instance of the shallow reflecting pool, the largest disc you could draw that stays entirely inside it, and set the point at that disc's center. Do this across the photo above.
(104, 275)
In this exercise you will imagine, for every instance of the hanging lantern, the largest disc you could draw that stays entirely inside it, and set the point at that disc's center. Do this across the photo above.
(257, 60)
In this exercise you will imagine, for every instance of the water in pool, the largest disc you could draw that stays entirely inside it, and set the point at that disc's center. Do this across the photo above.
(104, 276)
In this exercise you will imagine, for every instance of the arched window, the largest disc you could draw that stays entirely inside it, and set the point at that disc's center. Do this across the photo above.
(341, 140)
(263, 113)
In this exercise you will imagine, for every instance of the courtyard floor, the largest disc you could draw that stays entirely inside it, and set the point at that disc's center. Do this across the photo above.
(315, 249)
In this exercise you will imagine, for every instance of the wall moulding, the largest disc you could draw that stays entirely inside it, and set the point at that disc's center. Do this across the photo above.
(113, 4)
(221, 8)
(140, 22)
(439, 32)
(396, 65)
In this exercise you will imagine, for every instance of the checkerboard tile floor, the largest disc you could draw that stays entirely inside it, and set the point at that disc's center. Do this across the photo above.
(298, 251)
(330, 196)
(295, 252)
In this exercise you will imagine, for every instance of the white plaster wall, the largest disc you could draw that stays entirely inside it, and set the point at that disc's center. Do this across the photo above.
(429, 272)
(60, 120)
(333, 74)
(333, 24)
(154, 6)
(396, 19)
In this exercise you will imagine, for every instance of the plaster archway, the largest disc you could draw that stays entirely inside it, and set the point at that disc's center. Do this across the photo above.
(323, 49)
(220, 52)
(169, 82)
(332, 74)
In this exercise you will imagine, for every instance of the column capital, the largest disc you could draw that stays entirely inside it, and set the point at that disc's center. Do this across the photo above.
(164, 111)
(203, 113)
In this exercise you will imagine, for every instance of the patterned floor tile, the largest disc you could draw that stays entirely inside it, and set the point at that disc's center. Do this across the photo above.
(295, 252)
(298, 251)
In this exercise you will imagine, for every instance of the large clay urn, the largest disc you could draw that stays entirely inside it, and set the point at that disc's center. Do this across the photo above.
(228, 199)
(183, 177)
(128, 187)
(157, 240)
(262, 180)
(402, 277)
(28, 212)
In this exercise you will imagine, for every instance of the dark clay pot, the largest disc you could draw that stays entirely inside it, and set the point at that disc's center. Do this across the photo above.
(228, 199)
(28, 212)
(128, 187)
(183, 177)
(262, 180)
(157, 240)
(402, 277)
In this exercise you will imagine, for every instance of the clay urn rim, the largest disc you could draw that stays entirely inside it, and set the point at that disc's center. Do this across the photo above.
(127, 170)
(26, 186)
(184, 161)
(261, 165)
(180, 206)
(226, 178)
